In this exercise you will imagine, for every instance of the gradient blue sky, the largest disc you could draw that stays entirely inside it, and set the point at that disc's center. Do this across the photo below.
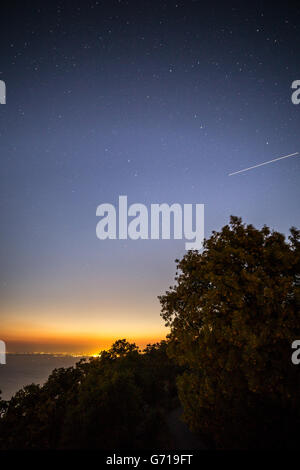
(155, 100)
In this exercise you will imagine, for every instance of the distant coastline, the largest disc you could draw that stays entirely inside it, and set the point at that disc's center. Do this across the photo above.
(26, 368)
(59, 354)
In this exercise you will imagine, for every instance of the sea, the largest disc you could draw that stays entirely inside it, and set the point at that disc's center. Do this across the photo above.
(25, 369)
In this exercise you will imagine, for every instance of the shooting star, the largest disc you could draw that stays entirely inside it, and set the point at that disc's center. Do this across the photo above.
(265, 163)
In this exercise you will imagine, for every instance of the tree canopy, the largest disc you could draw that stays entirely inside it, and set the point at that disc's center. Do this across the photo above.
(117, 400)
(233, 314)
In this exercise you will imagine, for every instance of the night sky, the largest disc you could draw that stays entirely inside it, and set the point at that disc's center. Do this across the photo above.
(155, 100)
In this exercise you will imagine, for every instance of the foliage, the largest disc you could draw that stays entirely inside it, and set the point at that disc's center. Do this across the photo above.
(117, 400)
(233, 314)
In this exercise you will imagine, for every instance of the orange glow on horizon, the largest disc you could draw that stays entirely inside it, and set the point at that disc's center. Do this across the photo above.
(78, 328)
(75, 346)
(89, 343)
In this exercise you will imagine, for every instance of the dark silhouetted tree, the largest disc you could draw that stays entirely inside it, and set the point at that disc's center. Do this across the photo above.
(118, 400)
(233, 314)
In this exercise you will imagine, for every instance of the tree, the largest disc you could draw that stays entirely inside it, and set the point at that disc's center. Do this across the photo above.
(233, 315)
(119, 400)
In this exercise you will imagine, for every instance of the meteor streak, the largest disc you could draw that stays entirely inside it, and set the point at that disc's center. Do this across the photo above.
(265, 163)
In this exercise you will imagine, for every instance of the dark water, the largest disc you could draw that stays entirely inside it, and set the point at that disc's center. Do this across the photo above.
(25, 369)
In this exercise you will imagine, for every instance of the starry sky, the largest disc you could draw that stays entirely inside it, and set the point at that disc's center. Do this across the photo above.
(158, 101)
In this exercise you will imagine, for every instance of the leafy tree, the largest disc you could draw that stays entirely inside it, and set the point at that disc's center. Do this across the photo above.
(117, 400)
(233, 315)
